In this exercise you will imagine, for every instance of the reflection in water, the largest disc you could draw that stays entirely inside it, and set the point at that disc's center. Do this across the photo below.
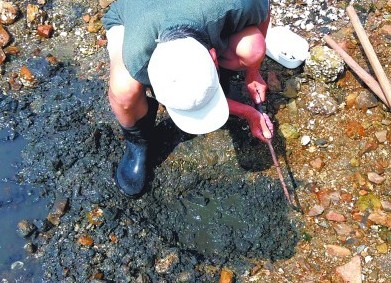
(17, 202)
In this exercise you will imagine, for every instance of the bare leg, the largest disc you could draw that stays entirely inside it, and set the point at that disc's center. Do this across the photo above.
(126, 95)
(246, 51)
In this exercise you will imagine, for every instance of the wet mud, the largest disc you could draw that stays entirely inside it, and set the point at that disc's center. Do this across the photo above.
(201, 203)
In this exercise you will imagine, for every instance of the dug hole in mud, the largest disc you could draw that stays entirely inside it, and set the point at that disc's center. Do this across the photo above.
(207, 202)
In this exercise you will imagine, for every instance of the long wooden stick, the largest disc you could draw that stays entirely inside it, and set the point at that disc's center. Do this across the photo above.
(370, 52)
(363, 75)
(296, 206)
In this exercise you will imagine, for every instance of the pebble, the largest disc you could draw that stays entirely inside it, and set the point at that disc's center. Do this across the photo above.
(321, 142)
(316, 210)
(343, 229)
(143, 278)
(334, 250)
(273, 83)
(334, 216)
(386, 122)
(4, 37)
(59, 208)
(381, 218)
(321, 103)
(351, 272)
(2, 56)
(292, 86)
(163, 265)
(226, 276)
(17, 265)
(317, 163)
(30, 248)
(360, 249)
(305, 140)
(386, 205)
(375, 178)
(382, 248)
(289, 131)
(86, 240)
(8, 12)
(366, 100)
(381, 136)
(25, 228)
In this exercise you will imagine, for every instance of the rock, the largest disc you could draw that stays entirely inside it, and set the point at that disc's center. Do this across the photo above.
(95, 24)
(334, 216)
(305, 140)
(382, 248)
(323, 197)
(17, 265)
(2, 56)
(95, 216)
(27, 77)
(4, 37)
(351, 272)
(289, 131)
(165, 264)
(381, 136)
(86, 240)
(381, 218)
(351, 100)
(355, 162)
(343, 229)
(324, 64)
(316, 210)
(59, 208)
(25, 228)
(12, 50)
(226, 276)
(386, 31)
(354, 130)
(386, 205)
(273, 82)
(322, 103)
(35, 16)
(30, 248)
(8, 12)
(45, 31)
(317, 163)
(334, 250)
(375, 178)
(143, 278)
(368, 201)
(366, 100)
(292, 86)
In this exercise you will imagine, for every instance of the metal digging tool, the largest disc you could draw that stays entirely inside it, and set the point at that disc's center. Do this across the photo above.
(293, 204)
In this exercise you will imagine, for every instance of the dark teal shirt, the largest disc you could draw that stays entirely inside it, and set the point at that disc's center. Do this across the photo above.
(145, 19)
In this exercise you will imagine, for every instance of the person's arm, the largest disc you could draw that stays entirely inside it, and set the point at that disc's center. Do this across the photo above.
(260, 124)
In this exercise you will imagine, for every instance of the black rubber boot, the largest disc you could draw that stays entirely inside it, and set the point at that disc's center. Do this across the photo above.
(131, 173)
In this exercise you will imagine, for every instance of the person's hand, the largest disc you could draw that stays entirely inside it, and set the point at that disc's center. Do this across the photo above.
(256, 86)
(260, 125)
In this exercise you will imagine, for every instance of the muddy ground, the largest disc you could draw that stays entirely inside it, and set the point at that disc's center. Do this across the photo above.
(214, 208)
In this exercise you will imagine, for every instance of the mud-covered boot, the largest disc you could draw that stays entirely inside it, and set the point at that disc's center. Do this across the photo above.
(131, 173)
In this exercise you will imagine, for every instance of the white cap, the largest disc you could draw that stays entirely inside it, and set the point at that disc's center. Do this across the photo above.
(185, 80)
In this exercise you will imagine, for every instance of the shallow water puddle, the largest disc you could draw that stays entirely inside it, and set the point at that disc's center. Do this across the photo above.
(17, 202)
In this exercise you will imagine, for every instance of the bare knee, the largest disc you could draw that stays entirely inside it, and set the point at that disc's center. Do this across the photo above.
(246, 48)
(251, 48)
(125, 93)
